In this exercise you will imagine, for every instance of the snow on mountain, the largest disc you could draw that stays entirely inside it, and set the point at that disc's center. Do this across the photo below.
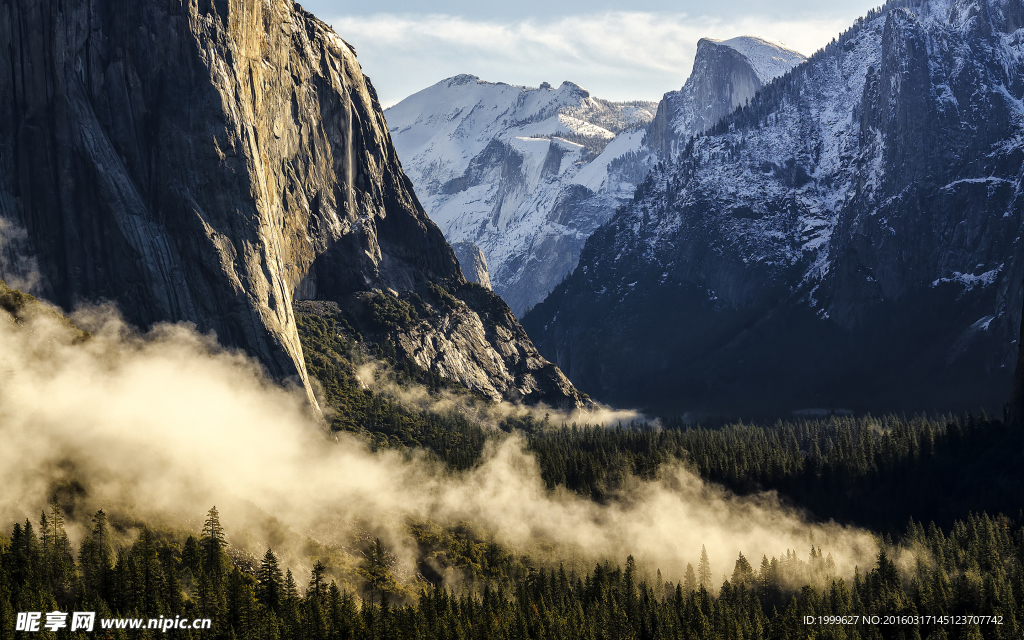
(497, 165)
(439, 130)
(768, 59)
(726, 74)
(834, 240)
(527, 174)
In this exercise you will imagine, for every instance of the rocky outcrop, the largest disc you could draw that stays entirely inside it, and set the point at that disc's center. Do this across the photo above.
(726, 74)
(473, 263)
(849, 239)
(446, 330)
(208, 161)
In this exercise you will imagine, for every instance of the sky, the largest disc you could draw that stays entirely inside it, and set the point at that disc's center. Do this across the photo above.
(618, 50)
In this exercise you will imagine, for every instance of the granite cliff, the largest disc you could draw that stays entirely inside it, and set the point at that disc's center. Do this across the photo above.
(473, 263)
(210, 161)
(726, 74)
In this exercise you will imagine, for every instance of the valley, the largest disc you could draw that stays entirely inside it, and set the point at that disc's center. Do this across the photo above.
(503, 361)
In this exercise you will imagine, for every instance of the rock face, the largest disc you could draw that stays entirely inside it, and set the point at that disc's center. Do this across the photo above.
(473, 263)
(850, 239)
(210, 160)
(528, 174)
(726, 74)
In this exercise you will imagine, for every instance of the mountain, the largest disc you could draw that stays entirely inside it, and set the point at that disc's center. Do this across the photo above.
(210, 162)
(849, 239)
(500, 166)
(527, 174)
(726, 74)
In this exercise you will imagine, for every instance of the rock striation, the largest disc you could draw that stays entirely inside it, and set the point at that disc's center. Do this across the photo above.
(209, 161)
(848, 239)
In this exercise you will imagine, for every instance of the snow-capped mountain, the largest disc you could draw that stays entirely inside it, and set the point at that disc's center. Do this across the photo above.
(496, 165)
(527, 174)
(726, 74)
(848, 239)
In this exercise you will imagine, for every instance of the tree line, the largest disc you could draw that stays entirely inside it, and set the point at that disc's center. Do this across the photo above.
(875, 472)
(966, 583)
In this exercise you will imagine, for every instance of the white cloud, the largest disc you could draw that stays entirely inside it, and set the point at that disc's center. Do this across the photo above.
(617, 55)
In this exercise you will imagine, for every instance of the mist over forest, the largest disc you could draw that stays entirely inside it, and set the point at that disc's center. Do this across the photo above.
(504, 361)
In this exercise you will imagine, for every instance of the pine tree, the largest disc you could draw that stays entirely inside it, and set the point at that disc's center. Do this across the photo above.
(212, 543)
(764, 575)
(150, 574)
(376, 571)
(742, 573)
(59, 558)
(317, 585)
(704, 569)
(191, 557)
(691, 579)
(270, 583)
(95, 558)
(290, 601)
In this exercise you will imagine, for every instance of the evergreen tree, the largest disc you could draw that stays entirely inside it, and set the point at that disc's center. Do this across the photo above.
(290, 606)
(704, 569)
(742, 573)
(691, 579)
(317, 584)
(212, 544)
(191, 556)
(59, 558)
(95, 559)
(271, 583)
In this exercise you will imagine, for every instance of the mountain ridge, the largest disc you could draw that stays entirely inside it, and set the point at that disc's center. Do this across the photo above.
(846, 239)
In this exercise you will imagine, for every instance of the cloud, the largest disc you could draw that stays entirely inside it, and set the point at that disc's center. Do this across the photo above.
(165, 424)
(380, 379)
(620, 55)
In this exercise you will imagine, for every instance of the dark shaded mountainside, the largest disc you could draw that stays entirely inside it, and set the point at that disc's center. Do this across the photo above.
(848, 240)
(210, 161)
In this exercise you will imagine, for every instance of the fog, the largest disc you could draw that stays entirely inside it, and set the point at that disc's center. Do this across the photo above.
(164, 425)
(380, 378)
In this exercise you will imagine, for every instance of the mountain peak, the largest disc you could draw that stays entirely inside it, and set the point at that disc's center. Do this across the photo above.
(845, 240)
(506, 167)
(725, 75)
(462, 78)
(768, 59)
(572, 87)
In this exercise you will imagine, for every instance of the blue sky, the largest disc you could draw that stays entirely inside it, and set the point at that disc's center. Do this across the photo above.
(617, 50)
